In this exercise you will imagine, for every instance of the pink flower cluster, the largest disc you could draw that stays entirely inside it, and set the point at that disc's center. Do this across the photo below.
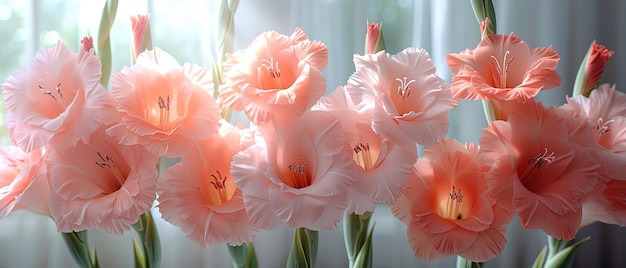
(89, 157)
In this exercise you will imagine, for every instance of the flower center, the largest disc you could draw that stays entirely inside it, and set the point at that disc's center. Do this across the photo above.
(535, 163)
(272, 68)
(106, 162)
(453, 205)
(602, 127)
(403, 89)
(297, 174)
(164, 109)
(502, 68)
(362, 156)
(219, 184)
(55, 94)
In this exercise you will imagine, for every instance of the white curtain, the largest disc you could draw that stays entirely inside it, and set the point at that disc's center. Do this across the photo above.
(441, 27)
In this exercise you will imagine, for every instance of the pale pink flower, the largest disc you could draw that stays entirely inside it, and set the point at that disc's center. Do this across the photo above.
(58, 98)
(23, 181)
(140, 24)
(385, 164)
(276, 76)
(408, 101)
(544, 165)
(606, 111)
(163, 106)
(199, 195)
(503, 67)
(102, 184)
(446, 206)
(86, 44)
(374, 40)
(297, 174)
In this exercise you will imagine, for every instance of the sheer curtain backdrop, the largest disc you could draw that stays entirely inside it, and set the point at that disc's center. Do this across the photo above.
(186, 29)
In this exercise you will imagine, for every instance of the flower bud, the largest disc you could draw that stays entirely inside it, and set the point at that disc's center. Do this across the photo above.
(374, 40)
(591, 69)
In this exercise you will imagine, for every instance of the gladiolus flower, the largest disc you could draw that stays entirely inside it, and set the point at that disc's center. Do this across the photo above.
(410, 103)
(142, 39)
(163, 106)
(446, 206)
(58, 98)
(102, 184)
(591, 68)
(297, 173)
(23, 184)
(374, 40)
(503, 67)
(199, 195)
(276, 76)
(385, 164)
(544, 165)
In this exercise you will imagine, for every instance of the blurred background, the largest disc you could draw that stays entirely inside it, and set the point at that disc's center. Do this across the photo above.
(187, 30)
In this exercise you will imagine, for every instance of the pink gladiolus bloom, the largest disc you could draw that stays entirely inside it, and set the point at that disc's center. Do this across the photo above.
(594, 67)
(276, 76)
(140, 25)
(409, 102)
(503, 67)
(199, 194)
(544, 165)
(103, 184)
(23, 184)
(446, 206)
(297, 174)
(385, 164)
(606, 110)
(164, 107)
(58, 98)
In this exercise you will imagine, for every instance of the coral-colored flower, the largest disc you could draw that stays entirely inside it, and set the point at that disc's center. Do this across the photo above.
(385, 164)
(544, 165)
(23, 184)
(164, 107)
(596, 59)
(58, 98)
(276, 76)
(408, 101)
(606, 110)
(297, 173)
(102, 184)
(503, 67)
(446, 206)
(199, 195)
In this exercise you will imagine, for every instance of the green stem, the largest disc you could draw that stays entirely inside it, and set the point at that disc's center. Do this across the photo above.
(303, 252)
(146, 229)
(243, 256)
(356, 232)
(465, 263)
(79, 248)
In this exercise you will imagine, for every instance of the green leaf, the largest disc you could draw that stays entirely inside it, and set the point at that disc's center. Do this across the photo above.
(579, 83)
(355, 231)
(104, 42)
(364, 257)
(146, 229)
(303, 253)
(243, 256)
(564, 256)
(465, 263)
(79, 248)
(541, 258)
(140, 261)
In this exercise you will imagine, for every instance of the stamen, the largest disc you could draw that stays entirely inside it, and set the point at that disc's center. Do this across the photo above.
(108, 163)
(453, 205)
(403, 88)
(502, 68)
(219, 183)
(164, 106)
(56, 95)
(272, 68)
(362, 155)
(297, 172)
(535, 163)
(602, 127)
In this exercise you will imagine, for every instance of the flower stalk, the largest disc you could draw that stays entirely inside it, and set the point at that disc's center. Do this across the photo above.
(79, 247)
(243, 256)
(358, 239)
(104, 42)
(149, 237)
(303, 253)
